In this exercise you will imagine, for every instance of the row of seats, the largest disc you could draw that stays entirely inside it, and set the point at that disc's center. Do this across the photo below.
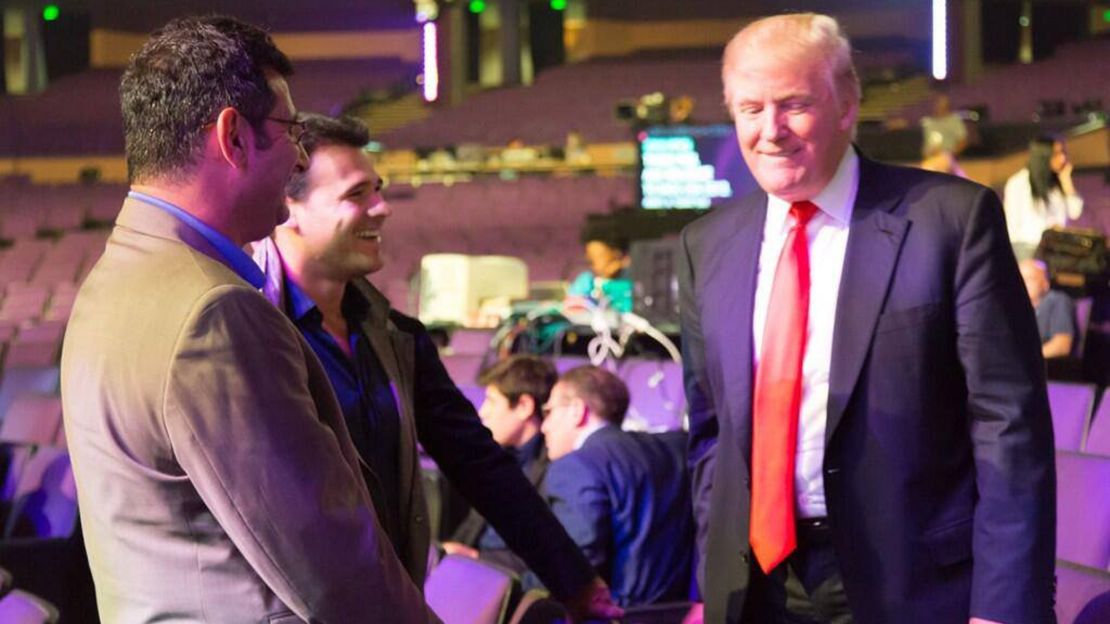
(48, 123)
(1074, 74)
(1078, 426)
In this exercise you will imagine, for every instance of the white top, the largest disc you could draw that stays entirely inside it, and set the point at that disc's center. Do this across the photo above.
(1028, 218)
(827, 233)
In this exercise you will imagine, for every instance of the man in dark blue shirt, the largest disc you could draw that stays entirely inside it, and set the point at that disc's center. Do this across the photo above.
(516, 390)
(387, 374)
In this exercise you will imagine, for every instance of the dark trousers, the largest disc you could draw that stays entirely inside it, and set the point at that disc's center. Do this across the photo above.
(804, 589)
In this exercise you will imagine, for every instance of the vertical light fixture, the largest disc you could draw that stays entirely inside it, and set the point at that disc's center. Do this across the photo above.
(940, 39)
(431, 63)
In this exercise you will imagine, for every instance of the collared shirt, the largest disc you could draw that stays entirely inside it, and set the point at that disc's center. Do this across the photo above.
(827, 233)
(233, 255)
(365, 395)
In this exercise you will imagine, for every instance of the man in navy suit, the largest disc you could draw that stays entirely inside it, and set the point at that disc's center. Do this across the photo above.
(622, 496)
(870, 438)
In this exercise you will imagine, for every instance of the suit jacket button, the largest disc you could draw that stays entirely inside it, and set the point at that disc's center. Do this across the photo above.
(746, 558)
(419, 519)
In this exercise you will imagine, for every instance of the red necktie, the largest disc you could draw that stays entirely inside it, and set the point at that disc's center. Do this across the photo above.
(778, 398)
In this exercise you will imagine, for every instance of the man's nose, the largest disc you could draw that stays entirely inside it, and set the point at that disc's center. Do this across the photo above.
(773, 124)
(380, 208)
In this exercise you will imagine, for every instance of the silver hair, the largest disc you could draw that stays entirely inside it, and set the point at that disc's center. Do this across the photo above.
(803, 34)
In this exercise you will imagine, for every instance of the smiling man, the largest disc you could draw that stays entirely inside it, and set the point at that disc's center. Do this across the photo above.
(870, 438)
(208, 492)
(391, 384)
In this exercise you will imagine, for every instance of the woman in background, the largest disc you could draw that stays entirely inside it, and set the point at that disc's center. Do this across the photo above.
(1040, 196)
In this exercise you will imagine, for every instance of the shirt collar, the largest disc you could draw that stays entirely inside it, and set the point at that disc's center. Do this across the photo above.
(233, 256)
(529, 450)
(835, 200)
(300, 303)
(587, 431)
(355, 306)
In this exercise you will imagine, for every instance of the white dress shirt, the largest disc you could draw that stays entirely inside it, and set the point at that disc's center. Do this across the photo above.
(827, 233)
(1027, 218)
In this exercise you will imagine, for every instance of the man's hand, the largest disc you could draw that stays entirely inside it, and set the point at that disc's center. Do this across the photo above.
(455, 548)
(594, 602)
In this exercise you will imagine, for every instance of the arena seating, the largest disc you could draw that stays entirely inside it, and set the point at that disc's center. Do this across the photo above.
(49, 123)
(1074, 75)
(1071, 406)
(572, 98)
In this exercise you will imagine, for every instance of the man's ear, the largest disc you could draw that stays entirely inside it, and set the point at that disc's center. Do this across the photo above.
(294, 207)
(229, 137)
(525, 406)
(582, 408)
(849, 113)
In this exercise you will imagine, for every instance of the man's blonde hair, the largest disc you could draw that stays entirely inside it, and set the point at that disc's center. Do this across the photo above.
(798, 35)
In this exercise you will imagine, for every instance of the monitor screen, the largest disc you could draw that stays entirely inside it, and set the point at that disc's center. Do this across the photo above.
(695, 167)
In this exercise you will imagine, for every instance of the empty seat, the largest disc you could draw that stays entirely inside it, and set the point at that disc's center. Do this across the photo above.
(32, 419)
(463, 369)
(461, 590)
(1076, 588)
(563, 363)
(1098, 433)
(1083, 509)
(1071, 406)
(474, 393)
(18, 381)
(470, 341)
(20, 607)
(657, 398)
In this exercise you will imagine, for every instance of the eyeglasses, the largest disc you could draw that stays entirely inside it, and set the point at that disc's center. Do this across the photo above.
(296, 127)
(551, 405)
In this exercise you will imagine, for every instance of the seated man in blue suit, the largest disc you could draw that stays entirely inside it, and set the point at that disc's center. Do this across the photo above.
(623, 496)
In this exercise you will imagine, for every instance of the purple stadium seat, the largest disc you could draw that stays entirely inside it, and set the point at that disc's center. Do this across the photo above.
(563, 363)
(1071, 406)
(1082, 320)
(474, 393)
(461, 590)
(32, 419)
(463, 369)
(1098, 434)
(470, 341)
(1076, 587)
(20, 607)
(1083, 509)
(16, 382)
(658, 401)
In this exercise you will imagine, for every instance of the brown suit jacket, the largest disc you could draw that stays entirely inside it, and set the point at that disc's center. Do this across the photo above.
(216, 478)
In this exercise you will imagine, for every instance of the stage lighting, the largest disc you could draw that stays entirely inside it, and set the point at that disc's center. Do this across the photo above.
(476, 6)
(50, 12)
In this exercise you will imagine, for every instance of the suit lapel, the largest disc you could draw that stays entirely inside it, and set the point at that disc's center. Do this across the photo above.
(874, 242)
(729, 295)
(392, 347)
